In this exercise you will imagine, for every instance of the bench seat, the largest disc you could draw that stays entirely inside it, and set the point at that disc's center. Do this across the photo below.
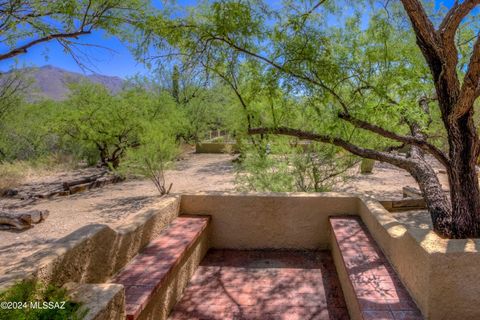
(371, 287)
(151, 268)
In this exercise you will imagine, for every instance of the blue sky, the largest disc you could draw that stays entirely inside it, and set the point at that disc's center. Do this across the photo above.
(118, 62)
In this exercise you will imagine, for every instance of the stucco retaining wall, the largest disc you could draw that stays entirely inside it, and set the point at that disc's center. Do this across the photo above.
(170, 292)
(216, 147)
(93, 253)
(269, 220)
(441, 274)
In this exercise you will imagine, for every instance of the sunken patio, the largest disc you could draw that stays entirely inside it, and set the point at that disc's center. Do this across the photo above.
(263, 256)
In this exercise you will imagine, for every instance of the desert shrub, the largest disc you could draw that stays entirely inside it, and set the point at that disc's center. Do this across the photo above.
(282, 166)
(100, 126)
(32, 291)
(12, 174)
(156, 150)
(28, 133)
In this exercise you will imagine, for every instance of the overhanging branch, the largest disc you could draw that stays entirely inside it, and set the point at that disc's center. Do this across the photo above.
(394, 159)
(23, 49)
(424, 145)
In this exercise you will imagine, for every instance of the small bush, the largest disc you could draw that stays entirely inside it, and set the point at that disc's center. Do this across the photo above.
(366, 166)
(152, 157)
(30, 291)
(12, 175)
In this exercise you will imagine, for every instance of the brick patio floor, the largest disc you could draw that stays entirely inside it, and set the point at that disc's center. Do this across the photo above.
(263, 285)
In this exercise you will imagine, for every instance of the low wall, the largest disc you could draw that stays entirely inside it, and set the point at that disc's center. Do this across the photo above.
(94, 253)
(216, 147)
(269, 220)
(441, 274)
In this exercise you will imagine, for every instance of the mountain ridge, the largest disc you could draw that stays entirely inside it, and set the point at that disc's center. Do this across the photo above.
(52, 82)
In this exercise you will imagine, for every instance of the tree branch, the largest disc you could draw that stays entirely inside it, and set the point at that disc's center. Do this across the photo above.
(394, 159)
(24, 48)
(471, 84)
(447, 31)
(284, 69)
(424, 29)
(422, 144)
(454, 17)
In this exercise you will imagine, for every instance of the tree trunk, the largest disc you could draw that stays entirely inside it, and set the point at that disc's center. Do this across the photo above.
(462, 176)
(436, 200)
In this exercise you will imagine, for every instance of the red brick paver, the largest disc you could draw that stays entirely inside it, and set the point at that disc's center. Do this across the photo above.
(236, 284)
(147, 271)
(379, 291)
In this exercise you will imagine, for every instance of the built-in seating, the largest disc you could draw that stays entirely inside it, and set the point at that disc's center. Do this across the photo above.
(371, 287)
(149, 272)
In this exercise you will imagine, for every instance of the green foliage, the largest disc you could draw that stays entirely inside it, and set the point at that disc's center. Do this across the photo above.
(156, 150)
(27, 133)
(284, 59)
(31, 291)
(288, 165)
(31, 22)
(110, 124)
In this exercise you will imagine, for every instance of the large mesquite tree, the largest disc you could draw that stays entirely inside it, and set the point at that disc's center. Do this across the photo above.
(409, 78)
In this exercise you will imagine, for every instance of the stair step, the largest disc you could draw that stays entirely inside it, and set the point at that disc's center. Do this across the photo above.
(150, 269)
(378, 291)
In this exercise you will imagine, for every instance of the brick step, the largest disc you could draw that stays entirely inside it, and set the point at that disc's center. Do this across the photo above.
(150, 269)
(372, 289)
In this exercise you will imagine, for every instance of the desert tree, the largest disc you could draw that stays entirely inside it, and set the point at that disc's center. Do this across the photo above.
(109, 124)
(28, 23)
(409, 78)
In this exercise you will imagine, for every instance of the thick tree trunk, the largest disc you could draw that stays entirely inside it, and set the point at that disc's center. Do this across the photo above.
(436, 200)
(462, 176)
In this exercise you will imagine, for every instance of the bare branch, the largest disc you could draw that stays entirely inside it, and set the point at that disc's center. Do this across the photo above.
(394, 159)
(23, 49)
(421, 143)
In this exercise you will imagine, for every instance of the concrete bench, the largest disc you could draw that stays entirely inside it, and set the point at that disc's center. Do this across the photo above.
(157, 269)
(371, 287)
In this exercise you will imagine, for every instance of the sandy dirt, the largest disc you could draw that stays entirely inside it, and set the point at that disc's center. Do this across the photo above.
(196, 172)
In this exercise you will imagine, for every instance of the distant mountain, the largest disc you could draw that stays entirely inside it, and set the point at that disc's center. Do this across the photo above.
(52, 82)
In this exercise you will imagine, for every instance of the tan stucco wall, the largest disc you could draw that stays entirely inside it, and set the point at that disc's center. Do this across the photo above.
(94, 253)
(441, 274)
(100, 301)
(216, 147)
(269, 220)
(347, 287)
